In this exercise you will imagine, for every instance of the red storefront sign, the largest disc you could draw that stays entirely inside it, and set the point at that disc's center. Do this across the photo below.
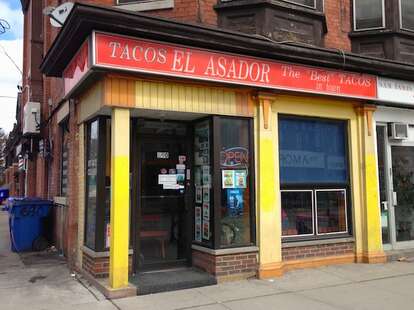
(118, 52)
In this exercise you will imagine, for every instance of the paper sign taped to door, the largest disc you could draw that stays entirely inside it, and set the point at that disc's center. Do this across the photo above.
(167, 179)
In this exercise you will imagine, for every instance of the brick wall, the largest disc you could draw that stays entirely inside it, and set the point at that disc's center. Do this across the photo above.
(12, 177)
(196, 11)
(98, 267)
(318, 250)
(338, 18)
(241, 265)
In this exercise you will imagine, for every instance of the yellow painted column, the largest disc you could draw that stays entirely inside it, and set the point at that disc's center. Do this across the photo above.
(372, 250)
(118, 253)
(269, 213)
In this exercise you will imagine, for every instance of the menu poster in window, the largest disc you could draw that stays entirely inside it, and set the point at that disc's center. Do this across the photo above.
(228, 178)
(206, 175)
(108, 235)
(202, 135)
(235, 202)
(240, 177)
(197, 226)
(206, 230)
(199, 159)
(199, 194)
(206, 212)
(197, 232)
(197, 176)
(206, 194)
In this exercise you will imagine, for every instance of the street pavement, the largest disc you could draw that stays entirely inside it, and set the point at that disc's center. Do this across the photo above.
(34, 282)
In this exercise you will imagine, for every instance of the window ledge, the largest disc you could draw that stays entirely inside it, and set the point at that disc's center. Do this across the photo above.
(248, 249)
(94, 254)
(316, 242)
(147, 5)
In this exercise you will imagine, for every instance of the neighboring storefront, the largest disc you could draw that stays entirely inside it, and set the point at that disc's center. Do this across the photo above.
(237, 165)
(395, 148)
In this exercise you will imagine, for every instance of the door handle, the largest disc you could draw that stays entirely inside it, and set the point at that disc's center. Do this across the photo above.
(384, 205)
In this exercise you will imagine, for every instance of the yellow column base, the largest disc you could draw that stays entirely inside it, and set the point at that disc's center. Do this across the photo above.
(271, 270)
(371, 258)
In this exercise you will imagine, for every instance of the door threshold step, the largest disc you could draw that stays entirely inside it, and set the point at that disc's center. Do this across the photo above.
(171, 280)
(400, 255)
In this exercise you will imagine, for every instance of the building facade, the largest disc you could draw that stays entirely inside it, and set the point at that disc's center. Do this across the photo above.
(243, 138)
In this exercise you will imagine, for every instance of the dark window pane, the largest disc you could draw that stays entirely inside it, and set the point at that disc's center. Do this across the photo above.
(203, 212)
(382, 168)
(297, 213)
(64, 160)
(310, 3)
(107, 181)
(312, 151)
(331, 210)
(368, 14)
(128, 1)
(407, 14)
(91, 177)
(403, 186)
(235, 172)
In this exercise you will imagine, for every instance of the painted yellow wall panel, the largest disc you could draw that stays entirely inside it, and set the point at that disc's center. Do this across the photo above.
(90, 102)
(372, 250)
(269, 212)
(146, 94)
(355, 145)
(175, 102)
(181, 97)
(119, 221)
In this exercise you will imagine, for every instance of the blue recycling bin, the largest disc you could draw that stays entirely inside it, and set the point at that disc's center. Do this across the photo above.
(27, 217)
(4, 194)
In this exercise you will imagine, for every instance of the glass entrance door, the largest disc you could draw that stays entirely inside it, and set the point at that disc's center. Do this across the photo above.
(383, 183)
(403, 191)
(162, 218)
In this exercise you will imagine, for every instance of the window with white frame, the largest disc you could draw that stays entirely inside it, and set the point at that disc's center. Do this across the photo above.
(314, 177)
(128, 1)
(308, 3)
(368, 14)
(145, 5)
(407, 14)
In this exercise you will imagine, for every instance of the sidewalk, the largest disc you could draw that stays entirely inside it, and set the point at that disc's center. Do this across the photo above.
(32, 281)
(355, 286)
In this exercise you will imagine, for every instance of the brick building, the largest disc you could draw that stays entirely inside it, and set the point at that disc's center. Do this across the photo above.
(207, 160)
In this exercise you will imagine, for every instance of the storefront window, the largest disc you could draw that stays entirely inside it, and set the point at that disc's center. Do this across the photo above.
(98, 182)
(91, 183)
(331, 211)
(297, 213)
(368, 14)
(235, 182)
(407, 14)
(64, 159)
(223, 179)
(314, 176)
(107, 181)
(203, 213)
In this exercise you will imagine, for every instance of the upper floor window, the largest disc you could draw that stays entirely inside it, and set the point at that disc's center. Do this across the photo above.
(309, 3)
(407, 14)
(126, 1)
(369, 14)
